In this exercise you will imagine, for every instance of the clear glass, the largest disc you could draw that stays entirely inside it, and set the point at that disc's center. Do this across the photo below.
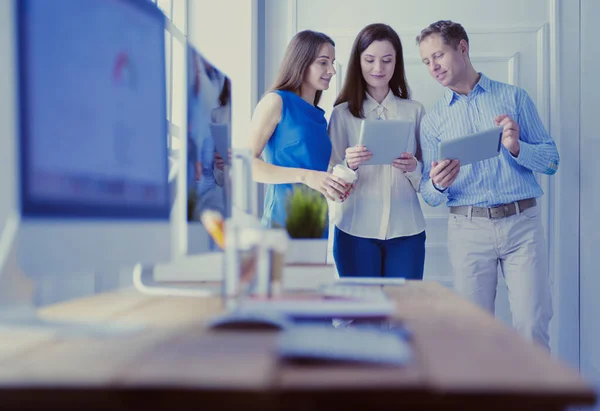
(180, 15)
(168, 71)
(165, 6)
(178, 70)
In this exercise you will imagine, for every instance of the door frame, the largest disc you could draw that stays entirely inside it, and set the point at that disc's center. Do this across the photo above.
(564, 188)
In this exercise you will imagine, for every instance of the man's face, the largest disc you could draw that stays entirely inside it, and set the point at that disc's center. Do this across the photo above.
(446, 64)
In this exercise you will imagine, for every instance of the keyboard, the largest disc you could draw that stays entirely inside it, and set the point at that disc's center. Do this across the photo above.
(353, 292)
(325, 343)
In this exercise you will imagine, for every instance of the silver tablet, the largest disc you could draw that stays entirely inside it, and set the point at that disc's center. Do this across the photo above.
(386, 139)
(222, 139)
(473, 147)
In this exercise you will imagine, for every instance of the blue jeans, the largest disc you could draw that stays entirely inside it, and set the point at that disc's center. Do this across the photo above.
(368, 257)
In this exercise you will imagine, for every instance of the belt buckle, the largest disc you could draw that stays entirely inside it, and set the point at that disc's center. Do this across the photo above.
(498, 212)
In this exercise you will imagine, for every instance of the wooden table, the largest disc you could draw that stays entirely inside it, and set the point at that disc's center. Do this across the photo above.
(465, 359)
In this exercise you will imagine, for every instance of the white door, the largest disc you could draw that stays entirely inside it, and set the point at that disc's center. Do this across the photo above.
(508, 43)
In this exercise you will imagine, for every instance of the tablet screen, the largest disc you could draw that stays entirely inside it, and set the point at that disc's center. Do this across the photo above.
(386, 139)
(472, 148)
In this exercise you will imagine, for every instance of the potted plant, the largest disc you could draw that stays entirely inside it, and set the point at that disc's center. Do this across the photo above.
(306, 224)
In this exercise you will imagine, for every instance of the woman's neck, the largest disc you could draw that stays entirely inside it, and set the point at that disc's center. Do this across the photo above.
(379, 94)
(307, 94)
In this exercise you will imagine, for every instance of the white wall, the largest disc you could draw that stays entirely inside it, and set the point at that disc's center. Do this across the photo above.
(279, 28)
(8, 199)
(224, 32)
(590, 191)
(564, 227)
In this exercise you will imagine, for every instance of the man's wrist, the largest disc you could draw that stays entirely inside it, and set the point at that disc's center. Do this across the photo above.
(438, 187)
(516, 150)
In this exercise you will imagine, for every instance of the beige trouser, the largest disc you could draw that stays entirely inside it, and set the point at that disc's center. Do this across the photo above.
(477, 245)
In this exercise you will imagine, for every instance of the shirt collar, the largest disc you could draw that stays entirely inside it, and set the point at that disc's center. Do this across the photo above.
(484, 84)
(389, 103)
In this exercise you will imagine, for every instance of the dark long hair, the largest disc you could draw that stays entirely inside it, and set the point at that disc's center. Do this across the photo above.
(302, 51)
(355, 87)
(225, 95)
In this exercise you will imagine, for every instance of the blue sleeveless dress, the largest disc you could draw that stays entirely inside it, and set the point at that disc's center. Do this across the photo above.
(300, 140)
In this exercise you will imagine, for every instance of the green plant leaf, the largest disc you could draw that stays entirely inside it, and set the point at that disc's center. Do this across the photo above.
(306, 213)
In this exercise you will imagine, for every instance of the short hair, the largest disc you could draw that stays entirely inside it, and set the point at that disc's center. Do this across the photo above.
(450, 32)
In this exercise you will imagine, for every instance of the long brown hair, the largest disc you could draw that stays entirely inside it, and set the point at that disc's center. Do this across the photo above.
(225, 95)
(302, 51)
(355, 87)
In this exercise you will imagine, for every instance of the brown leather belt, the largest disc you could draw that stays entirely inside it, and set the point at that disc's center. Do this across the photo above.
(501, 211)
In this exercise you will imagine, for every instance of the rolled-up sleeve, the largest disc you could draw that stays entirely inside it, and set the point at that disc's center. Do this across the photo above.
(429, 144)
(537, 149)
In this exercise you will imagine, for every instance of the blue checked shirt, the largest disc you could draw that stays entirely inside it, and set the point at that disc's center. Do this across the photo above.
(499, 180)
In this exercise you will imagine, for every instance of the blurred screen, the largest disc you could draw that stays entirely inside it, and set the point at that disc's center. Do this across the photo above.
(209, 139)
(93, 108)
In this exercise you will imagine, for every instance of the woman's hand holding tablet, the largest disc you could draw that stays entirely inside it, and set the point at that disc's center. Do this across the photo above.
(406, 162)
(357, 155)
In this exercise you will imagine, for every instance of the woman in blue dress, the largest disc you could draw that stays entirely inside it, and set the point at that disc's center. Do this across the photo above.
(289, 130)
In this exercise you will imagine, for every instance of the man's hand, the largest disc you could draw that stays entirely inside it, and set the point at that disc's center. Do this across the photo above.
(444, 173)
(510, 133)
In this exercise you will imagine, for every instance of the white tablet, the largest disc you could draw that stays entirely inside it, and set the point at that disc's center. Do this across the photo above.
(473, 147)
(386, 139)
(220, 135)
(370, 280)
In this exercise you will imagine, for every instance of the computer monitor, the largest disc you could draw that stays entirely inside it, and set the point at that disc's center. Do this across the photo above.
(208, 149)
(215, 180)
(85, 137)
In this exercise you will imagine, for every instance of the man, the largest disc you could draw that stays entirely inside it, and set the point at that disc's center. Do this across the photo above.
(494, 216)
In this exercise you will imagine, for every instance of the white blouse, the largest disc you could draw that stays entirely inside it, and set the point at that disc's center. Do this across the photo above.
(384, 203)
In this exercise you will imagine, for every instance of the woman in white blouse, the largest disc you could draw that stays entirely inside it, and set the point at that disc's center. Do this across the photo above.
(379, 229)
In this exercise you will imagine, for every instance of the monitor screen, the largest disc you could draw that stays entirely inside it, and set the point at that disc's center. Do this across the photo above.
(208, 139)
(93, 113)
